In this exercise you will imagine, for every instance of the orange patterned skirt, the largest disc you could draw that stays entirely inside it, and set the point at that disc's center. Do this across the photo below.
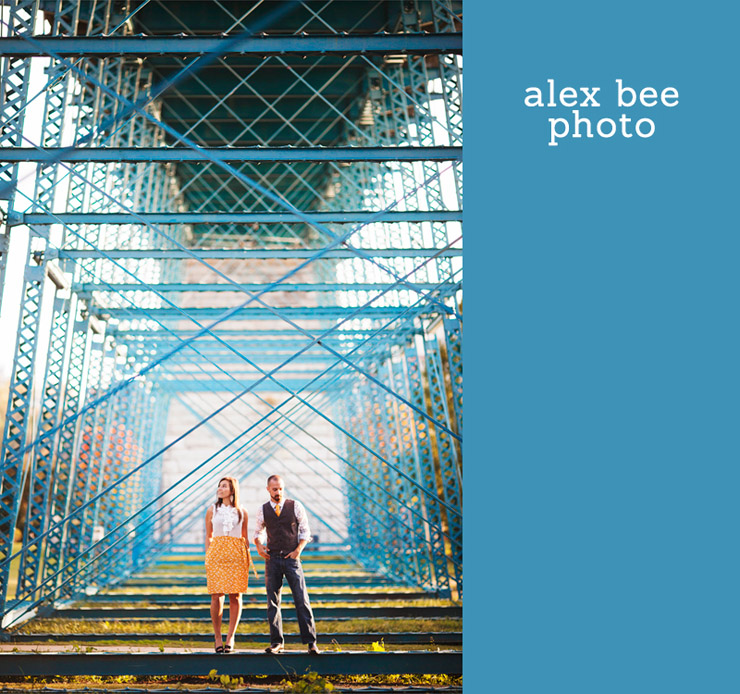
(227, 565)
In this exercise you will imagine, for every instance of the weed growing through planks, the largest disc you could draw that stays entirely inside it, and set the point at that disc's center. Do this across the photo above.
(226, 681)
(309, 683)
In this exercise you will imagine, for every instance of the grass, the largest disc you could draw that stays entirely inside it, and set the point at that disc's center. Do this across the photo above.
(268, 683)
(352, 626)
(422, 602)
(324, 641)
(314, 590)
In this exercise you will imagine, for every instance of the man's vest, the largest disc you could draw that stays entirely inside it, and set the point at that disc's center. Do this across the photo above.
(282, 530)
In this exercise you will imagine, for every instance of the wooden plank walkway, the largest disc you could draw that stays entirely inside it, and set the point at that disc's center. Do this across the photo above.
(451, 638)
(258, 596)
(182, 596)
(315, 580)
(252, 613)
(40, 664)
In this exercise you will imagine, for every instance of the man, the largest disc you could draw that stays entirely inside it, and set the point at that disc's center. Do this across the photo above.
(286, 525)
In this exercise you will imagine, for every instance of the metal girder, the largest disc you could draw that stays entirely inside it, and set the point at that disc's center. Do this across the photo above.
(257, 333)
(20, 404)
(249, 287)
(63, 474)
(42, 455)
(453, 338)
(112, 46)
(336, 217)
(251, 313)
(14, 78)
(414, 556)
(255, 253)
(425, 471)
(87, 470)
(448, 472)
(435, 638)
(49, 155)
(350, 663)
(360, 527)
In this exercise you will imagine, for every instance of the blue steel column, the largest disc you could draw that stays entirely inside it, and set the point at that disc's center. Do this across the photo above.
(409, 548)
(41, 473)
(417, 77)
(113, 503)
(448, 471)
(73, 450)
(384, 444)
(453, 339)
(14, 82)
(59, 552)
(152, 473)
(55, 99)
(86, 469)
(125, 453)
(371, 433)
(14, 78)
(427, 477)
(450, 73)
(139, 437)
(102, 422)
(359, 523)
(56, 93)
(391, 549)
(20, 403)
(63, 476)
(142, 435)
(417, 545)
(55, 102)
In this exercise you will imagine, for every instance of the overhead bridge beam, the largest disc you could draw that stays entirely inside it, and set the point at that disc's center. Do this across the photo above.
(228, 154)
(112, 46)
(250, 287)
(233, 217)
(258, 253)
(252, 313)
(256, 334)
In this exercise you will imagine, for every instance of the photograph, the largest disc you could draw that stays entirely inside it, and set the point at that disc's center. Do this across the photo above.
(231, 365)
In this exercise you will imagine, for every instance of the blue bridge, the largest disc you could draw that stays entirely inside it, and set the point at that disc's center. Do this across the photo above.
(230, 244)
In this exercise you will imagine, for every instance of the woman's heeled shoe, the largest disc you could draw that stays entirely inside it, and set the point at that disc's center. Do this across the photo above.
(229, 648)
(220, 649)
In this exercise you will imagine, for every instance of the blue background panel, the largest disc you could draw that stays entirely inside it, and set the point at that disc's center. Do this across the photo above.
(601, 510)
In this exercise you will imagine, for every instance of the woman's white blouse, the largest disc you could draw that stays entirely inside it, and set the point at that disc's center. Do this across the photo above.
(225, 521)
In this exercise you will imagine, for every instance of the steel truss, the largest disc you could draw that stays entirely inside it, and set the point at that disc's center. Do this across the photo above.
(260, 230)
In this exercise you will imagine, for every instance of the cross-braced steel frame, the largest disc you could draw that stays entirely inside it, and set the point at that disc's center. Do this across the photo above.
(248, 212)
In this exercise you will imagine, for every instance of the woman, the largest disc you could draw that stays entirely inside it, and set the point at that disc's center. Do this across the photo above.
(227, 558)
